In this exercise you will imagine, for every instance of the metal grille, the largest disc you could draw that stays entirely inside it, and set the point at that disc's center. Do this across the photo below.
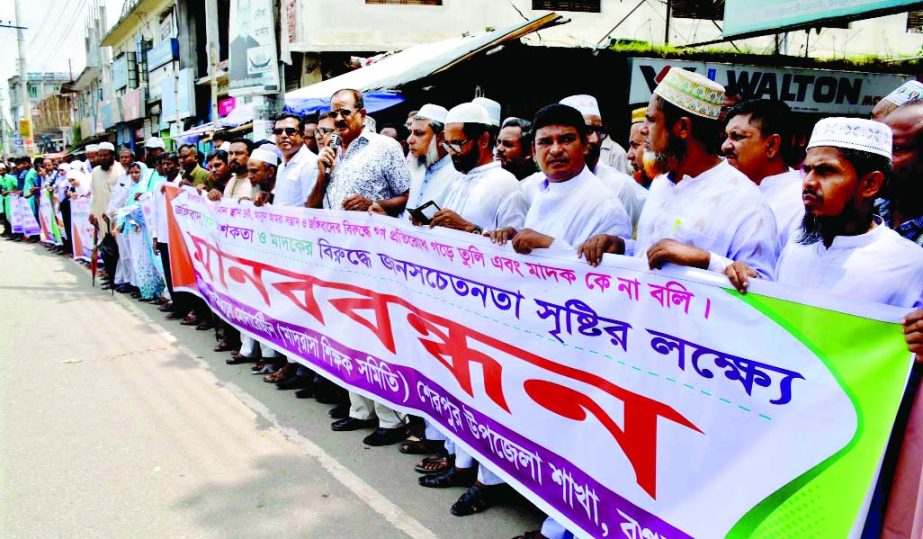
(592, 6)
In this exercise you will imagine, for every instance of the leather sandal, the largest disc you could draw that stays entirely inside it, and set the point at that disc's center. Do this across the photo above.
(420, 447)
(435, 465)
(452, 478)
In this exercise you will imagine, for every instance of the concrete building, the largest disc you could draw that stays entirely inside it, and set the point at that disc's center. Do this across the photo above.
(39, 86)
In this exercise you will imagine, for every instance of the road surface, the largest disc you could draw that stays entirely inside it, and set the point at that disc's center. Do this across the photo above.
(115, 423)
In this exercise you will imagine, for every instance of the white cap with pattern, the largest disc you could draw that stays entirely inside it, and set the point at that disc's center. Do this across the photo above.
(586, 104)
(692, 92)
(854, 134)
(468, 113)
(432, 112)
(492, 107)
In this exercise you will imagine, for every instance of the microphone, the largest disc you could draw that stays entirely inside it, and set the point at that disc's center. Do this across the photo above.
(333, 144)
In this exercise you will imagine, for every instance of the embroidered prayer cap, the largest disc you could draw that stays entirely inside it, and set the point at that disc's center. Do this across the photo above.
(92, 148)
(854, 134)
(638, 115)
(432, 112)
(692, 93)
(468, 113)
(266, 156)
(586, 104)
(908, 92)
(154, 143)
(106, 146)
(492, 108)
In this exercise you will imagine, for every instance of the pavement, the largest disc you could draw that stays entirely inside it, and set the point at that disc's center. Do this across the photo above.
(115, 423)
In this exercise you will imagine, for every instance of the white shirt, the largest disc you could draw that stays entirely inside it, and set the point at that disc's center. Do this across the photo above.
(783, 194)
(433, 183)
(617, 185)
(237, 189)
(624, 187)
(119, 195)
(295, 179)
(720, 211)
(878, 266)
(613, 155)
(572, 211)
(159, 211)
(489, 197)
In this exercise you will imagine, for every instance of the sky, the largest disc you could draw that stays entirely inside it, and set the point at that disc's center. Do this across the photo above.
(55, 35)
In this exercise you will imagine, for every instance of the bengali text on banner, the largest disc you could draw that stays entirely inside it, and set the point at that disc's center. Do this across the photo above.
(623, 402)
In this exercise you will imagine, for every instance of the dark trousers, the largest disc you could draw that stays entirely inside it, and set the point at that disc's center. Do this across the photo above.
(110, 255)
(66, 217)
(164, 250)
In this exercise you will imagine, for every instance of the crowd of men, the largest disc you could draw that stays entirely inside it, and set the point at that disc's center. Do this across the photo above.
(702, 184)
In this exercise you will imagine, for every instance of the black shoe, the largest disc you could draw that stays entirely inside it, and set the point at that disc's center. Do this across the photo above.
(385, 437)
(340, 411)
(306, 393)
(478, 499)
(351, 423)
(451, 478)
(295, 382)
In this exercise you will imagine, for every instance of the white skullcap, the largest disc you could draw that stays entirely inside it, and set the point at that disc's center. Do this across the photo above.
(908, 92)
(225, 146)
(468, 113)
(74, 174)
(432, 112)
(586, 104)
(854, 134)
(492, 108)
(106, 146)
(264, 155)
(155, 143)
(92, 148)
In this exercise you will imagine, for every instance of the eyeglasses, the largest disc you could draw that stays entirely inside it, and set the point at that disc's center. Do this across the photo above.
(324, 131)
(600, 131)
(454, 147)
(289, 131)
(345, 112)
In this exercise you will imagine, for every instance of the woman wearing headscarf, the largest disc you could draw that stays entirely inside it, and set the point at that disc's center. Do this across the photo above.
(131, 222)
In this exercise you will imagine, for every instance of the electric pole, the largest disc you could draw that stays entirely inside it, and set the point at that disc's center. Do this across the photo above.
(23, 85)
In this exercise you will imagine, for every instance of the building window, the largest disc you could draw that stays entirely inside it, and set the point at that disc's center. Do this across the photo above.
(33, 92)
(591, 6)
(407, 2)
(915, 22)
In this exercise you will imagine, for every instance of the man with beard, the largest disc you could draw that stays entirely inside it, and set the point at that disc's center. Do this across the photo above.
(238, 185)
(220, 172)
(92, 152)
(432, 171)
(485, 198)
(636, 148)
(514, 148)
(106, 173)
(124, 272)
(846, 250)
(193, 173)
(702, 212)
(618, 182)
(370, 169)
(756, 144)
(902, 204)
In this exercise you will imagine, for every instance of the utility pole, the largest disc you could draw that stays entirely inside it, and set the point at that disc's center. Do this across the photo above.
(666, 33)
(7, 150)
(211, 36)
(24, 83)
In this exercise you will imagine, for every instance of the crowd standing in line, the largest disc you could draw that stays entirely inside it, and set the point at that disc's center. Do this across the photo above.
(702, 184)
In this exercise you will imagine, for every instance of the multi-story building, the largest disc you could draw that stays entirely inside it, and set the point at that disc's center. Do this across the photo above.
(39, 86)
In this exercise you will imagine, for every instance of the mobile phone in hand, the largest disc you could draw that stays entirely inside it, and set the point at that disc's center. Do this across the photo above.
(424, 214)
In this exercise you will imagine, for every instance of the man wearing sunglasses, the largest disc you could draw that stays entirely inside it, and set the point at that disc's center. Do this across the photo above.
(623, 186)
(324, 130)
(370, 169)
(298, 169)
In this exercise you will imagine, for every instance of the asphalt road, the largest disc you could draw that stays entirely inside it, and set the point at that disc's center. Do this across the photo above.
(115, 423)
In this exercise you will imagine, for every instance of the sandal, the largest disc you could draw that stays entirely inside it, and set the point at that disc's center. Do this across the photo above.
(431, 465)
(421, 447)
(452, 478)
(239, 359)
(222, 346)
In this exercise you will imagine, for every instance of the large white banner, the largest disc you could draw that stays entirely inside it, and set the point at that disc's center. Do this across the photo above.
(622, 401)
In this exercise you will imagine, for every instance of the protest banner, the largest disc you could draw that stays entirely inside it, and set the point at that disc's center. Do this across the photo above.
(621, 401)
(81, 232)
(23, 220)
(47, 219)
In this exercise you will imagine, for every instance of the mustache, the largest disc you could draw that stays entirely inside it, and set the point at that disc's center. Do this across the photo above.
(341, 123)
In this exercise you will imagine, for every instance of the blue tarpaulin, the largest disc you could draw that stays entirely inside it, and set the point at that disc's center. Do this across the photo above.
(374, 102)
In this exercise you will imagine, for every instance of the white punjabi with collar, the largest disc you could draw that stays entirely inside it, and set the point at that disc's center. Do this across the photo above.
(433, 183)
(624, 187)
(878, 266)
(573, 211)
(488, 197)
(238, 188)
(720, 211)
(295, 179)
(783, 194)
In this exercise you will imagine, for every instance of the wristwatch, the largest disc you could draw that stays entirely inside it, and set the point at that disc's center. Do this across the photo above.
(477, 230)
